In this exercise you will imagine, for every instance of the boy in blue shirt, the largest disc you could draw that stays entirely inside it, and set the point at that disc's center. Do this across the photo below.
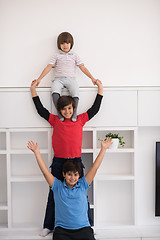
(71, 204)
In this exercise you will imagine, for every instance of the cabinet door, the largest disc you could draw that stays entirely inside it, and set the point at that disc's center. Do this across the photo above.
(119, 107)
(148, 108)
(18, 110)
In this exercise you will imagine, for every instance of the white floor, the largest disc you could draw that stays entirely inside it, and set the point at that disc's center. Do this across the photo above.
(143, 233)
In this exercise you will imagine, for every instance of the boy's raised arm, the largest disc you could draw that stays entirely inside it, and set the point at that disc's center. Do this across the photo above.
(100, 87)
(97, 103)
(92, 172)
(33, 88)
(43, 74)
(48, 176)
(43, 112)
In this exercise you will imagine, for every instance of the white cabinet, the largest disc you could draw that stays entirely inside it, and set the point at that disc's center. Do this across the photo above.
(112, 194)
(17, 109)
(115, 182)
(22, 186)
(148, 108)
(119, 107)
(23, 190)
(23, 202)
(3, 180)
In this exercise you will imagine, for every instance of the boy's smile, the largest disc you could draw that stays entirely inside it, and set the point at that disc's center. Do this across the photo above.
(67, 111)
(71, 178)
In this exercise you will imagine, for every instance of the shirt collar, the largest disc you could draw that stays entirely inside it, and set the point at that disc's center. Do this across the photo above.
(63, 53)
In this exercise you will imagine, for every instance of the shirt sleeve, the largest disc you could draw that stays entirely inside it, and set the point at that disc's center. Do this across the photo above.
(85, 183)
(78, 61)
(53, 60)
(83, 118)
(43, 112)
(95, 107)
(55, 184)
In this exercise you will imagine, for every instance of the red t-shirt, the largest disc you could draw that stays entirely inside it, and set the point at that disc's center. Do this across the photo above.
(67, 135)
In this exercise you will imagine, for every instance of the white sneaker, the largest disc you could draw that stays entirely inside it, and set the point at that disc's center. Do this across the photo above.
(45, 232)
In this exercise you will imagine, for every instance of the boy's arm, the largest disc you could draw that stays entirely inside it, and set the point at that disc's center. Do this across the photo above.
(92, 172)
(87, 73)
(43, 74)
(48, 176)
(43, 112)
(97, 103)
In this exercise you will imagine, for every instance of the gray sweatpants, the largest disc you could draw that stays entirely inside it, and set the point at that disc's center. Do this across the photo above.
(69, 82)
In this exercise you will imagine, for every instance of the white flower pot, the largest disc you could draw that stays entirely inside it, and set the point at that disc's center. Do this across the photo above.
(115, 143)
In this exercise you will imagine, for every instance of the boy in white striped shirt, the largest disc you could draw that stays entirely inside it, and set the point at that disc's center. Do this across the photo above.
(65, 62)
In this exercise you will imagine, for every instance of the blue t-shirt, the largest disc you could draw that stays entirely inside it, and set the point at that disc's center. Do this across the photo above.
(71, 205)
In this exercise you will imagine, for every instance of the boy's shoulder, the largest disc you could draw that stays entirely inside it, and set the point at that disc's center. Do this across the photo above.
(83, 182)
(83, 117)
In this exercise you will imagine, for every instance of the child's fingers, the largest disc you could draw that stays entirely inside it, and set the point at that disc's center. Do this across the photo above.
(30, 143)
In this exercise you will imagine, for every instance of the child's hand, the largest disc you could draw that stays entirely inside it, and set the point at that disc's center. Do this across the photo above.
(98, 82)
(38, 81)
(32, 146)
(105, 144)
(95, 81)
(33, 83)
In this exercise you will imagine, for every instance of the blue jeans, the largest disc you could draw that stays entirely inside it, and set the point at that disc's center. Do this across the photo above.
(56, 170)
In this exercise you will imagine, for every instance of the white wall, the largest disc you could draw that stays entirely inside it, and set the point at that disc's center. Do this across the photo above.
(117, 39)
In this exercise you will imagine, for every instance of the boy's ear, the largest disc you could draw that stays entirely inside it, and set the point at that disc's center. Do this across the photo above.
(63, 174)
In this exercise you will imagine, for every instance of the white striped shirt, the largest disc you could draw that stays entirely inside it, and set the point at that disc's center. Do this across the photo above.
(65, 63)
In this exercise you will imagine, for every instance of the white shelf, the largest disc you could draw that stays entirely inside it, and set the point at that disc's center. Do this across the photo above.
(3, 206)
(3, 151)
(119, 150)
(27, 179)
(26, 151)
(87, 150)
(23, 176)
(115, 225)
(103, 177)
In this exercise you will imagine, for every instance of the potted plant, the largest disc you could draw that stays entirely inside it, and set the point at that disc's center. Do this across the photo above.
(116, 139)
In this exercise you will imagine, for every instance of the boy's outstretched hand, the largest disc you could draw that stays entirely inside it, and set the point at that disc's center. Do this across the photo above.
(105, 144)
(100, 87)
(32, 146)
(33, 83)
(95, 80)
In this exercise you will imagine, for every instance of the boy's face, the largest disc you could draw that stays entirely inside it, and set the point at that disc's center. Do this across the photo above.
(71, 178)
(67, 111)
(65, 47)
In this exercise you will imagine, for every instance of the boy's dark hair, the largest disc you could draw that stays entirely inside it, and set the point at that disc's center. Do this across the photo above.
(71, 166)
(64, 37)
(65, 101)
